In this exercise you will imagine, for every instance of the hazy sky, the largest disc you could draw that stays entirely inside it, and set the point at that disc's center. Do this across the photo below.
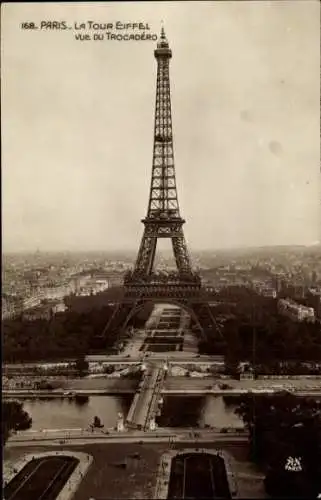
(77, 124)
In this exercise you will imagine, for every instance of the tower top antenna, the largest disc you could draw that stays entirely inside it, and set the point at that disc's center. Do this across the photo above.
(162, 45)
(163, 36)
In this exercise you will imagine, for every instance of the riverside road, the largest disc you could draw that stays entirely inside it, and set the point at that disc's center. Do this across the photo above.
(54, 437)
(172, 385)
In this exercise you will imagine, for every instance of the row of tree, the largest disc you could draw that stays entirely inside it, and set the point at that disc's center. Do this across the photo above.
(276, 340)
(254, 330)
(14, 418)
(69, 334)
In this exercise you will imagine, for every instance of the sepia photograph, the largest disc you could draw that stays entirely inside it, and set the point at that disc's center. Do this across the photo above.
(161, 250)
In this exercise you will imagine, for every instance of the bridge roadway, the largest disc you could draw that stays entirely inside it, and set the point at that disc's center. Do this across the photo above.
(146, 398)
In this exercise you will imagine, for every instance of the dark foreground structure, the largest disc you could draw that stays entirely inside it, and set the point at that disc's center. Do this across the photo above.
(131, 470)
(195, 475)
(41, 478)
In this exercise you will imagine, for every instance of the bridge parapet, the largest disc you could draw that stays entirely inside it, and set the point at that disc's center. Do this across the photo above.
(157, 399)
(145, 403)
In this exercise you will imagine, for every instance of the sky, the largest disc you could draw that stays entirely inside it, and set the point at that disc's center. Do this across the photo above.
(77, 124)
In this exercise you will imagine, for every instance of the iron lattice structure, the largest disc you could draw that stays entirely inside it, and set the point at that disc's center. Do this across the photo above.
(163, 220)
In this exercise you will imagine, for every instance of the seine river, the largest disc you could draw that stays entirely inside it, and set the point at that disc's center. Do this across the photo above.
(197, 411)
(64, 413)
(178, 411)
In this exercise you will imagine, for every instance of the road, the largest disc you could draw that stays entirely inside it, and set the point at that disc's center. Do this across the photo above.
(178, 356)
(173, 356)
(103, 385)
(195, 384)
(315, 393)
(79, 437)
(171, 385)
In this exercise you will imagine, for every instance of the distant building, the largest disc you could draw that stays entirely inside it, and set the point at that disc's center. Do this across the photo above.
(58, 307)
(314, 279)
(313, 299)
(39, 312)
(79, 280)
(8, 308)
(268, 292)
(15, 305)
(45, 310)
(264, 289)
(57, 292)
(32, 301)
(113, 278)
(295, 311)
(93, 286)
(296, 291)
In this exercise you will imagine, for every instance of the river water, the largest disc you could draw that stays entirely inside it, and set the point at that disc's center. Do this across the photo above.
(63, 413)
(198, 411)
(178, 411)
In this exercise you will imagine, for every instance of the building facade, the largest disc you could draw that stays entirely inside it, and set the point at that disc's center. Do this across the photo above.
(295, 311)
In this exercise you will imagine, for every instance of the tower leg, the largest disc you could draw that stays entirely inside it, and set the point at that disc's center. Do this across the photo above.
(146, 255)
(119, 318)
(181, 254)
(210, 328)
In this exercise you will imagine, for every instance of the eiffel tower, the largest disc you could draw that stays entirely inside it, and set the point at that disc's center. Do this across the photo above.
(163, 220)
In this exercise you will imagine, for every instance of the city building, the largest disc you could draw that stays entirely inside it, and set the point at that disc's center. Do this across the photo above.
(295, 311)
(313, 299)
(44, 311)
(93, 286)
(58, 307)
(113, 278)
(29, 302)
(8, 308)
(263, 288)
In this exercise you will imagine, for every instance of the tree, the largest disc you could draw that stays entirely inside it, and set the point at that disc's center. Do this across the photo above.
(43, 385)
(233, 350)
(67, 334)
(286, 483)
(14, 418)
(283, 429)
(82, 366)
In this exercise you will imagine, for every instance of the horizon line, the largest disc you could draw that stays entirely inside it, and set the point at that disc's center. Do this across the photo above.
(195, 250)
